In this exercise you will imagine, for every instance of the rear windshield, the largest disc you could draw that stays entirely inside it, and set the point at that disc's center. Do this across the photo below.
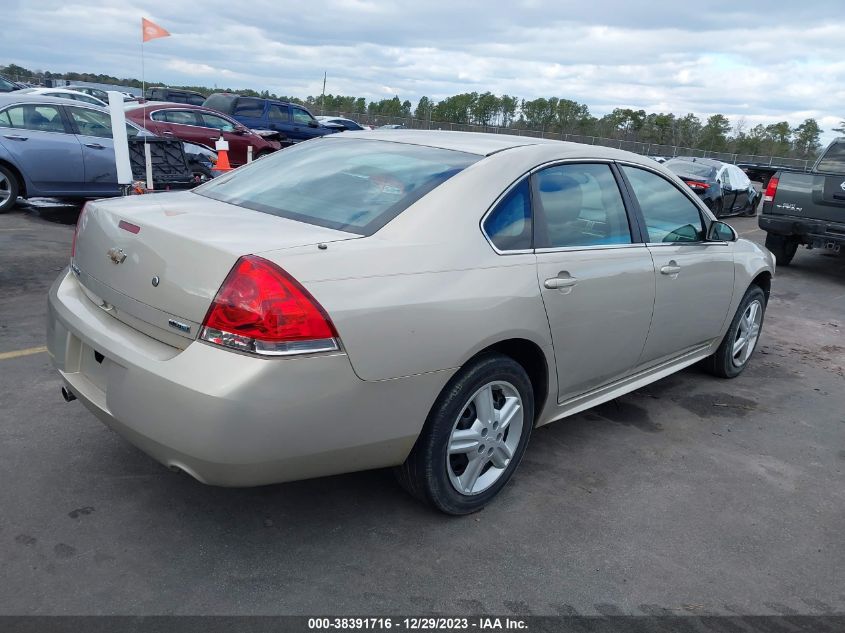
(688, 168)
(353, 185)
(833, 161)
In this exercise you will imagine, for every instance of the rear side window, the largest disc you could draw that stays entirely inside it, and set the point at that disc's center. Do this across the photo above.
(181, 117)
(5, 121)
(353, 185)
(581, 206)
(833, 161)
(196, 99)
(249, 107)
(279, 114)
(669, 215)
(509, 224)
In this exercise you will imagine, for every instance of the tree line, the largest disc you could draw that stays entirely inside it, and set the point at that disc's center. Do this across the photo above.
(716, 133)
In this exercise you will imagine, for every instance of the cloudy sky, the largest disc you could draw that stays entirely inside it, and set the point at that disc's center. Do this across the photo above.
(764, 61)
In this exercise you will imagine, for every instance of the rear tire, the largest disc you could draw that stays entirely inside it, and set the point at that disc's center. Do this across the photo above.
(782, 247)
(735, 350)
(474, 437)
(9, 189)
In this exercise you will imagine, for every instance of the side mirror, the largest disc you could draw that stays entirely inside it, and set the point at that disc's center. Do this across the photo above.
(313, 123)
(721, 232)
(240, 131)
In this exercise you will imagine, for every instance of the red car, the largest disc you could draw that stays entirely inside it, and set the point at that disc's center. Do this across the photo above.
(199, 125)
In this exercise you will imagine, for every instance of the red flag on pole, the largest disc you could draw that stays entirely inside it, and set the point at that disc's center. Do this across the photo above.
(151, 30)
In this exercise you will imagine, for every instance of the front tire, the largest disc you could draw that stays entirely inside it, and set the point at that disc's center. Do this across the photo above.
(739, 343)
(9, 189)
(474, 437)
(782, 247)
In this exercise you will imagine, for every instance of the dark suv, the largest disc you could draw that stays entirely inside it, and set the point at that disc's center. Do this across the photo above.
(291, 120)
(174, 95)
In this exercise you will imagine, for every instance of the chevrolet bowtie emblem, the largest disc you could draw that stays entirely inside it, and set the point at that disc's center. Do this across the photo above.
(116, 255)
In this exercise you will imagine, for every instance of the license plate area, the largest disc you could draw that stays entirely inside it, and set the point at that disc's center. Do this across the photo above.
(94, 366)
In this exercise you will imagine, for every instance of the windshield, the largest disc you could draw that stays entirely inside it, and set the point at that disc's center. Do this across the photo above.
(833, 161)
(689, 168)
(353, 185)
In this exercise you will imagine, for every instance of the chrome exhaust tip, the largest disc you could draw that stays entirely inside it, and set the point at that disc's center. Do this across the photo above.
(67, 394)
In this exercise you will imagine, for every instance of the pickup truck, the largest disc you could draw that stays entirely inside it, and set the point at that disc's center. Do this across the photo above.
(808, 208)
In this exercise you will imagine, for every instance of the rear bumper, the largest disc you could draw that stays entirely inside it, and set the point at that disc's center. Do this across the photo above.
(811, 231)
(227, 418)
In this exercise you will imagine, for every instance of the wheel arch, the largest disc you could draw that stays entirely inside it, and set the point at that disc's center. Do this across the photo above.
(764, 281)
(17, 173)
(533, 360)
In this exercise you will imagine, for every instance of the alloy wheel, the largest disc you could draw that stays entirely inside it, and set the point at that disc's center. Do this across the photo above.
(5, 189)
(484, 437)
(747, 333)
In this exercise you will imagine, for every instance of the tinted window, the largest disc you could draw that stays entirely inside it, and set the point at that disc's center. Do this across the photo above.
(581, 206)
(279, 114)
(5, 121)
(249, 108)
(196, 99)
(833, 161)
(41, 118)
(353, 185)
(7, 86)
(95, 123)
(302, 116)
(216, 122)
(509, 225)
(669, 215)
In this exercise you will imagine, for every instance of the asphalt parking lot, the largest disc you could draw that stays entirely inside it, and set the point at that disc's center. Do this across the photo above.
(692, 496)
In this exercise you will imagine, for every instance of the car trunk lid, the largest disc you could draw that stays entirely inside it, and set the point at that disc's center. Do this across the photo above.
(156, 262)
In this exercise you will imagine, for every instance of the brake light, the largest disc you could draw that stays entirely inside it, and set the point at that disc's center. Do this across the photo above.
(79, 221)
(697, 186)
(771, 189)
(261, 309)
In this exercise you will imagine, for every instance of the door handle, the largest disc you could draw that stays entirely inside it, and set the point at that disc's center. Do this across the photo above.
(671, 268)
(16, 137)
(556, 283)
(167, 133)
(95, 146)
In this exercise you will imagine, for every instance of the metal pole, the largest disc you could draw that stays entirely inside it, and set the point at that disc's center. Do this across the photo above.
(323, 96)
(149, 161)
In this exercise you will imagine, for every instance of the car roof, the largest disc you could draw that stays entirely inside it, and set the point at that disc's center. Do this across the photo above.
(164, 105)
(9, 98)
(486, 144)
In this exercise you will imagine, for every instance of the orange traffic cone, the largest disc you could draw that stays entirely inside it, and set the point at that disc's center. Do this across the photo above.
(222, 164)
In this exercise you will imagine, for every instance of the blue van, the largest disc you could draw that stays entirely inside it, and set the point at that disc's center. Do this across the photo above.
(290, 120)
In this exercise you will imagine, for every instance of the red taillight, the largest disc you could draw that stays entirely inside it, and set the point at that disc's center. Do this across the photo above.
(771, 189)
(76, 230)
(698, 186)
(262, 309)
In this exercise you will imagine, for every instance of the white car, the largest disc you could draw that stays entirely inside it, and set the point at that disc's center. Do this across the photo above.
(61, 93)
(341, 124)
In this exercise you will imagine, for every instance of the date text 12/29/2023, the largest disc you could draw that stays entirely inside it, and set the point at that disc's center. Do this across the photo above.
(479, 623)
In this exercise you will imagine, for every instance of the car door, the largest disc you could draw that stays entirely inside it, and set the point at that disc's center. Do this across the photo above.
(279, 119)
(746, 195)
(94, 131)
(227, 129)
(40, 142)
(304, 125)
(185, 125)
(595, 275)
(729, 196)
(694, 278)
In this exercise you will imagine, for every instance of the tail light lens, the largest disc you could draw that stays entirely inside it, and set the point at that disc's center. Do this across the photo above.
(697, 186)
(261, 309)
(79, 222)
(771, 189)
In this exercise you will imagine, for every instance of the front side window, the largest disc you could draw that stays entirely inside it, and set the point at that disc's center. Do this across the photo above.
(509, 225)
(353, 185)
(581, 206)
(39, 118)
(96, 123)
(669, 215)
(216, 122)
(302, 117)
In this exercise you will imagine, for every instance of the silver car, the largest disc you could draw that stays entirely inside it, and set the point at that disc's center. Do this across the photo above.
(416, 299)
